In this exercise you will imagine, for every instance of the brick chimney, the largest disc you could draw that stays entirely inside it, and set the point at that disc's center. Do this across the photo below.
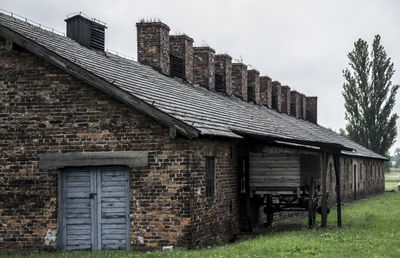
(285, 95)
(253, 86)
(239, 80)
(311, 113)
(181, 57)
(223, 74)
(276, 96)
(266, 91)
(89, 33)
(295, 104)
(303, 106)
(153, 45)
(204, 67)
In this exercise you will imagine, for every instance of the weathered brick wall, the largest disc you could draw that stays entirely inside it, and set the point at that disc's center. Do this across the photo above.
(285, 99)
(303, 106)
(153, 45)
(253, 86)
(312, 109)
(160, 207)
(369, 178)
(181, 46)
(295, 104)
(45, 110)
(266, 91)
(276, 93)
(219, 216)
(204, 67)
(223, 67)
(239, 80)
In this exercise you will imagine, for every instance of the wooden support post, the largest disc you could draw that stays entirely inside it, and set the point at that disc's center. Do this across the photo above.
(270, 210)
(336, 159)
(324, 203)
(245, 172)
(366, 180)
(249, 214)
(311, 208)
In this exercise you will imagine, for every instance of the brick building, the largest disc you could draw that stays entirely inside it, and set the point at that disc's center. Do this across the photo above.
(98, 151)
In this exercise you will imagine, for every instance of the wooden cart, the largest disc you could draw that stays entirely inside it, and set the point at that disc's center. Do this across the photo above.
(283, 182)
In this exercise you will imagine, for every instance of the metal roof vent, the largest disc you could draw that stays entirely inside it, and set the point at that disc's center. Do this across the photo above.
(86, 31)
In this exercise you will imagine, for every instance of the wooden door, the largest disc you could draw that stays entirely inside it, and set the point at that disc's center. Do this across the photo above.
(94, 208)
(113, 208)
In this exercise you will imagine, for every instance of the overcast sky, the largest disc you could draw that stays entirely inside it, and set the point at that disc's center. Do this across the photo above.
(303, 44)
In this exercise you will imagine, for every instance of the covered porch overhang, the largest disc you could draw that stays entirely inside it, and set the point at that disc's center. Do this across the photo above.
(326, 149)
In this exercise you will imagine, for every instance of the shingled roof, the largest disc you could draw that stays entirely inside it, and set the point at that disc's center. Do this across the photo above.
(192, 109)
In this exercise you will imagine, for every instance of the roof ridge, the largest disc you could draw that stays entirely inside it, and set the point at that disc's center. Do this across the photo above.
(29, 21)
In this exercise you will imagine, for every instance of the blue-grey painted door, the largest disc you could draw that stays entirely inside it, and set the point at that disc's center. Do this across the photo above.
(94, 208)
(114, 208)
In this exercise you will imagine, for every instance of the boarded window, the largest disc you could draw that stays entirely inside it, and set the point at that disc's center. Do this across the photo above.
(293, 108)
(274, 102)
(97, 37)
(210, 177)
(177, 67)
(219, 83)
(250, 94)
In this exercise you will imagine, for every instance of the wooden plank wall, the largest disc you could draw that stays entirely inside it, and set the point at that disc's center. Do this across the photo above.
(274, 170)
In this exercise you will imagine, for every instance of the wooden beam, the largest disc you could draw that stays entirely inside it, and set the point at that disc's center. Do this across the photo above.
(98, 82)
(324, 146)
(336, 159)
(324, 202)
(133, 159)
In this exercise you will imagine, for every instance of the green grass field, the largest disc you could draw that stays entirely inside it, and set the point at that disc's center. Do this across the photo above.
(371, 228)
(394, 170)
(391, 180)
